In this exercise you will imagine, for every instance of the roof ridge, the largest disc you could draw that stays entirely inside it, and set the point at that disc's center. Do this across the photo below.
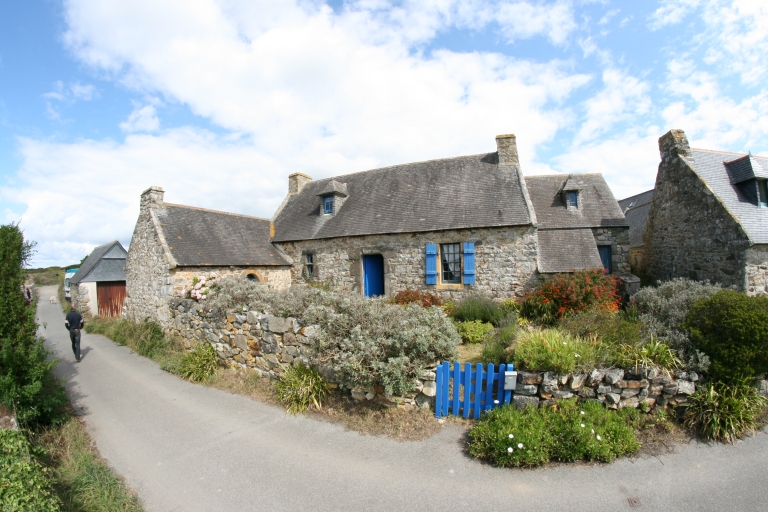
(720, 151)
(214, 211)
(570, 174)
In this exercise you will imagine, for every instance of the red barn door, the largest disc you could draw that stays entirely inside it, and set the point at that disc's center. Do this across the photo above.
(111, 297)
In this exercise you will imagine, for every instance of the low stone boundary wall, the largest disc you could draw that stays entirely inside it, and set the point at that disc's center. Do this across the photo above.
(614, 387)
(269, 344)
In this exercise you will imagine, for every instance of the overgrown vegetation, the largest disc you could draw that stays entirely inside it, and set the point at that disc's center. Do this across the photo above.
(300, 388)
(569, 432)
(145, 338)
(197, 365)
(473, 331)
(564, 294)
(723, 412)
(557, 351)
(424, 299)
(46, 276)
(25, 485)
(732, 329)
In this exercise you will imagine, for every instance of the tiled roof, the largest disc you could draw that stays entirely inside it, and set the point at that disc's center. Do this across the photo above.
(710, 166)
(105, 263)
(597, 206)
(746, 168)
(566, 250)
(464, 192)
(200, 237)
(637, 215)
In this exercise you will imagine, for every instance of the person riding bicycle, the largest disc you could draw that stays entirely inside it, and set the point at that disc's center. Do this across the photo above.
(74, 322)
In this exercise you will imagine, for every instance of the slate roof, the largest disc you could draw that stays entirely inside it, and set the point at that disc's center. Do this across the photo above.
(200, 237)
(746, 168)
(710, 166)
(597, 206)
(566, 250)
(453, 193)
(105, 263)
(637, 215)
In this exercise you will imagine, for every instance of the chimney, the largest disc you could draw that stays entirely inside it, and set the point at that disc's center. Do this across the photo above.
(296, 182)
(506, 145)
(674, 143)
(152, 198)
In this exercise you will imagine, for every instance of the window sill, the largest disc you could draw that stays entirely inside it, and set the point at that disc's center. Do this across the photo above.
(451, 286)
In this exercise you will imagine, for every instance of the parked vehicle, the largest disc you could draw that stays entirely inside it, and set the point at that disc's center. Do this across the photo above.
(70, 273)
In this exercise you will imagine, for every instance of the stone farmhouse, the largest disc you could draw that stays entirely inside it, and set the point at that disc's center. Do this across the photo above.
(708, 217)
(449, 226)
(98, 288)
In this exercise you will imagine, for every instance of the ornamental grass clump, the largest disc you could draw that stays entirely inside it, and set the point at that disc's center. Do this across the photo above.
(723, 412)
(556, 351)
(300, 388)
(197, 365)
(565, 294)
(569, 432)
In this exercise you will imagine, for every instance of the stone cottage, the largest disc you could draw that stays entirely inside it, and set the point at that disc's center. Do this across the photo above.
(709, 217)
(98, 287)
(636, 209)
(471, 223)
(174, 244)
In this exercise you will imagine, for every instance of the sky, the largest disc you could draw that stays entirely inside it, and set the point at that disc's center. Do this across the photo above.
(218, 101)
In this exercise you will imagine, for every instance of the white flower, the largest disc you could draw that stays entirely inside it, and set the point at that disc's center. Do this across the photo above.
(510, 450)
(520, 445)
(582, 413)
(564, 343)
(582, 425)
(511, 436)
(593, 431)
(496, 402)
(598, 437)
(577, 355)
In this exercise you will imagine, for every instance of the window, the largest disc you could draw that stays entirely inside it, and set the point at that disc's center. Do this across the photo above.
(450, 261)
(573, 198)
(632, 203)
(309, 265)
(251, 277)
(762, 192)
(327, 204)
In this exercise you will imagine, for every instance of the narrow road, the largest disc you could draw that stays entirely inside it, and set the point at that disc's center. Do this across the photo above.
(185, 447)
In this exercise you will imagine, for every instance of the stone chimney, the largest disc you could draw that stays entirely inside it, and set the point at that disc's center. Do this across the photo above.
(296, 182)
(152, 198)
(674, 143)
(506, 145)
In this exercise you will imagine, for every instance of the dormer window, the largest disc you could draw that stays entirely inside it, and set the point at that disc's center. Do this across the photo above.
(328, 204)
(762, 193)
(573, 198)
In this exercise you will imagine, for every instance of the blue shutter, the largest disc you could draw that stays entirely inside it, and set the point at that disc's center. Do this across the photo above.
(431, 263)
(469, 262)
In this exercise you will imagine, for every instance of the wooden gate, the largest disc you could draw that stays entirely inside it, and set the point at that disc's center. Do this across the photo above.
(469, 392)
(111, 297)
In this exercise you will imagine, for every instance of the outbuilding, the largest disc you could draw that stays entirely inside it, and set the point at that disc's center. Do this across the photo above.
(98, 287)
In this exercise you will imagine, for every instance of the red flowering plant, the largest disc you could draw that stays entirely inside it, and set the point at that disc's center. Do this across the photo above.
(564, 294)
(425, 299)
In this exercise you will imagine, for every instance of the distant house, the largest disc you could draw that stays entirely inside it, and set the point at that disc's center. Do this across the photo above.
(98, 287)
(636, 209)
(172, 245)
(709, 217)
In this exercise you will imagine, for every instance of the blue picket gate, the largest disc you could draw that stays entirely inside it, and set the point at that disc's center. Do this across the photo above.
(472, 392)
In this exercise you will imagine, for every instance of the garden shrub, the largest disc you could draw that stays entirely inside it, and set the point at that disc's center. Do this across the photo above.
(569, 432)
(649, 354)
(301, 387)
(26, 383)
(425, 299)
(556, 351)
(564, 294)
(25, 485)
(476, 307)
(723, 412)
(663, 310)
(498, 343)
(473, 331)
(732, 328)
(199, 364)
(364, 341)
(607, 326)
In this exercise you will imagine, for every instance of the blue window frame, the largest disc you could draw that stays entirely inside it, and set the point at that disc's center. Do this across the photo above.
(327, 204)
(573, 198)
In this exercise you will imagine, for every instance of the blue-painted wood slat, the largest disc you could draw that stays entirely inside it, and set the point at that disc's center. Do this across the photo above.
(467, 392)
(431, 252)
(467, 381)
(469, 262)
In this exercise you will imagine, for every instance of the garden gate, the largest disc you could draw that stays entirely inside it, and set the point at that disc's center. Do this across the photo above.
(470, 391)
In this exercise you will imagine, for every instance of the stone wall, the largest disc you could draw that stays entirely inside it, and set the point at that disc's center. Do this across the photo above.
(618, 239)
(505, 260)
(268, 345)
(614, 387)
(689, 233)
(757, 270)
(278, 278)
(84, 298)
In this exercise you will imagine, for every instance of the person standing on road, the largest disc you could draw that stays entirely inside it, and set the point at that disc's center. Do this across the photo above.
(74, 323)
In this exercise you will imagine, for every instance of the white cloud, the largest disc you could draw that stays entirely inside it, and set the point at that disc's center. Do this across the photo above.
(522, 20)
(142, 119)
(672, 12)
(66, 95)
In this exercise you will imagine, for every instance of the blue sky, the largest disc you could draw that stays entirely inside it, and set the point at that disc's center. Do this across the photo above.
(217, 101)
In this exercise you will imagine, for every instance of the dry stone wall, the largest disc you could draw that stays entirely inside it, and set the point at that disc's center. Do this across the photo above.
(277, 278)
(269, 344)
(757, 270)
(505, 260)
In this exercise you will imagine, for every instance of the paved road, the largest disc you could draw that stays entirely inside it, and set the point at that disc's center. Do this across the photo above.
(185, 447)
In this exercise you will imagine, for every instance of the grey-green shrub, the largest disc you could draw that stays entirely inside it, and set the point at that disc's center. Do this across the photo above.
(300, 388)
(723, 412)
(664, 309)
(364, 341)
(476, 307)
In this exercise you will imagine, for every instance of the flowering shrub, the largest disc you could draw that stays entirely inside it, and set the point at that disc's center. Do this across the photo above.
(201, 286)
(564, 294)
(426, 299)
(572, 431)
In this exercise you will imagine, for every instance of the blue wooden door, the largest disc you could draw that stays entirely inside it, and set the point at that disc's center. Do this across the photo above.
(605, 256)
(373, 272)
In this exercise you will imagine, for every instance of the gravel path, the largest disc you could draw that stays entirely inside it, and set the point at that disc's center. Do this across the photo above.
(185, 447)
